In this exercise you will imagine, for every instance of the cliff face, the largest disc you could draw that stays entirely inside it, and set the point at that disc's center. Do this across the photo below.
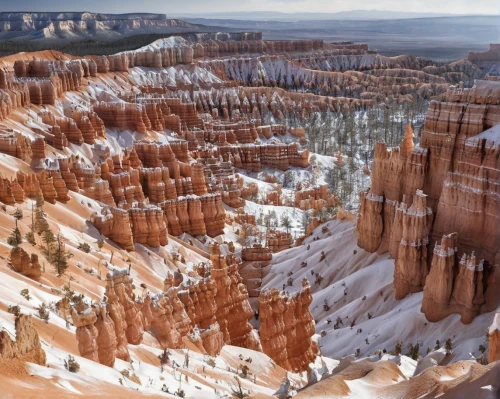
(287, 327)
(455, 171)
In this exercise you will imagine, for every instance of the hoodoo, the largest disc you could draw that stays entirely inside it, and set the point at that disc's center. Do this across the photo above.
(212, 214)
(458, 165)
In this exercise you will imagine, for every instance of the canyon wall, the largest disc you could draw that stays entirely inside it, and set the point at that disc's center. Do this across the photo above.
(455, 172)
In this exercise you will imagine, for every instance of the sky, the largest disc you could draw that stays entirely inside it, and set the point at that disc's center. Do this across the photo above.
(205, 6)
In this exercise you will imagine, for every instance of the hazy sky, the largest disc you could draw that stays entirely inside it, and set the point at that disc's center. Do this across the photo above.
(203, 6)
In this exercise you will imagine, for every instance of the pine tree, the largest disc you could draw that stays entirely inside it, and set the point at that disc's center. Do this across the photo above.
(30, 235)
(448, 346)
(15, 238)
(48, 239)
(41, 225)
(286, 223)
(58, 257)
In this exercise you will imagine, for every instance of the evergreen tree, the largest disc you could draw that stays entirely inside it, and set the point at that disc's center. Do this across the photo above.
(58, 257)
(41, 224)
(286, 223)
(48, 239)
(15, 238)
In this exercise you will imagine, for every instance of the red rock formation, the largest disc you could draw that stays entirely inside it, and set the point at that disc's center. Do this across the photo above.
(170, 210)
(117, 314)
(121, 284)
(68, 177)
(46, 183)
(106, 337)
(494, 340)
(391, 179)
(462, 287)
(66, 125)
(198, 179)
(201, 308)
(114, 223)
(124, 116)
(214, 215)
(148, 225)
(257, 253)
(457, 167)
(25, 264)
(15, 144)
(195, 221)
(233, 308)
(278, 240)
(409, 240)
(30, 185)
(163, 324)
(26, 347)
(84, 318)
(11, 192)
(287, 327)
(38, 147)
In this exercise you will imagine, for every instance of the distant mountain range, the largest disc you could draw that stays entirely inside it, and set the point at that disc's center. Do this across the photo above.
(342, 15)
(86, 25)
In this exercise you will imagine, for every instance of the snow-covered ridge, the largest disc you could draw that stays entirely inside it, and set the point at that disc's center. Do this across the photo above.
(84, 25)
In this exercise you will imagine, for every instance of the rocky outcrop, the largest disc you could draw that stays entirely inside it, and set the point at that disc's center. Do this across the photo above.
(408, 245)
(287, 327)
(124, 116)
(15, 144)
(459, 285)
(457, 167)
(25, 264)
(257, 253)
(278, 241)
(31, 186)
(163, 324)
(106, 337)
(26, 347)
(122, 286)
(84, 318)
(214, 214)
(317, 198)
(233, 308)
(148, 225)
(170, 211)
(66, 125)
(11, 192)
(116, 312)
(392, 178)
(114, 223)
(280, 71)
(199, 302)
(494, 340)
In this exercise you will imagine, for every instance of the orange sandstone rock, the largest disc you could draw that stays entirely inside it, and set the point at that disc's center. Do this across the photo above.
(286, 329)
(25, 264)
(26, 347)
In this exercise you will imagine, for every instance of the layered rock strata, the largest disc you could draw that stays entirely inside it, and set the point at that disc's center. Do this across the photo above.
(457, 167)
(287, 327)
